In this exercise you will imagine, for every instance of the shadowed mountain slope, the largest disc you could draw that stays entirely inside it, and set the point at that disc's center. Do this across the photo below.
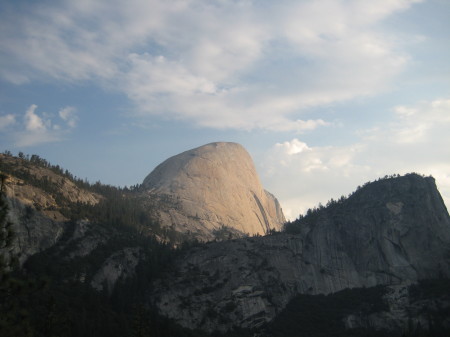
(390, 232)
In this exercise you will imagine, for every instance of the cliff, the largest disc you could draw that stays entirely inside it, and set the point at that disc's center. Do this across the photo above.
(214, 187)
(389, 232)
(36, 196)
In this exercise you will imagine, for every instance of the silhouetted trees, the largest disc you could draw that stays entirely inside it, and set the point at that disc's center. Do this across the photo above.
(6, 230)
(312, 214)
(14, 316)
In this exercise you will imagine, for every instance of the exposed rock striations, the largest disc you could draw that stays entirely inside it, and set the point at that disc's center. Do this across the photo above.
(35, 204)
(389, 232)
(214, 186)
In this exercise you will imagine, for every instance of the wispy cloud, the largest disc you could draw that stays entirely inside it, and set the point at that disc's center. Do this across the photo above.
(68, 115)
(415, 140)
(419, 124)
(6, 121)
(34, 128)
(240, 65)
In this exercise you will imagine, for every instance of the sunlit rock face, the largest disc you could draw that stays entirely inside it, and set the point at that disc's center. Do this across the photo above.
(38, 222)
(388, 232)
(212, 187)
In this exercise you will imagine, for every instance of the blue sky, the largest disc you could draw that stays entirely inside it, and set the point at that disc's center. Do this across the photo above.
(324, 94)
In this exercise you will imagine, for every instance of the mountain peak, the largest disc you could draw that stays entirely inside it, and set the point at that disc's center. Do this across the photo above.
(394, 231)
(216, 186)
(166, 172)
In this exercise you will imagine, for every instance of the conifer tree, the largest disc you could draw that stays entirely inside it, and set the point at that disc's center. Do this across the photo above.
(6, 231)
(14, 319)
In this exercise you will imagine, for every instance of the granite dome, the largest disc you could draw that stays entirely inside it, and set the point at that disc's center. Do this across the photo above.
(215, 186)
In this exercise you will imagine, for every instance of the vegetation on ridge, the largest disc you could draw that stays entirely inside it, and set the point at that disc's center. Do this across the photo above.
(334, 207)
(52, 295)
(66, 304)
(116, 206)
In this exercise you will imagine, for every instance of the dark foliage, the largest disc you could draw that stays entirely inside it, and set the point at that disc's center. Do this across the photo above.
(52, 296)
(6, 231)
(36, 160)
(336, 208)
(65, 304)
(320, 315)
(14, 316)
(438, 291)
(118, 206)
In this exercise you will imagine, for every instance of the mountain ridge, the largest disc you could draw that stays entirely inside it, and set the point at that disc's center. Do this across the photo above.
(390, 233)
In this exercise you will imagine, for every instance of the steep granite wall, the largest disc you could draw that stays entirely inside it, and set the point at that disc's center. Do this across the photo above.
(389, 232)
(214, 186)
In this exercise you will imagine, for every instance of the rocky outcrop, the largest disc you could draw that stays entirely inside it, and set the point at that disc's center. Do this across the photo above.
(34, 231)
(35, 205)
(30, 190)
(120, 265)
(213, 187)
(85, 238)
(389, 232)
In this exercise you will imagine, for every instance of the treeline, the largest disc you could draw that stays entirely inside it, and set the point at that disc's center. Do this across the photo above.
(36, 160)
(117, 207)
(51, 295)
(324, 315)
(117, 210)
(333, 205)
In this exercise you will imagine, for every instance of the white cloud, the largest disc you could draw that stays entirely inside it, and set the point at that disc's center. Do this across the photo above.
(68, 115)
(302, 176)
(164, 87)
(37, 128)
(311, 124)
(32, 121)
(415, 140)
(420, 123)
(227, 64)
(6, 121)
(151, 76)
(293, 147)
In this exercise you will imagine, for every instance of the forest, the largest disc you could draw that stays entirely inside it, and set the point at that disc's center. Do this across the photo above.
(51, 295)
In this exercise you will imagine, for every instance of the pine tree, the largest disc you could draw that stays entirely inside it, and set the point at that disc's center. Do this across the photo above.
(6, 231)
(14, 320)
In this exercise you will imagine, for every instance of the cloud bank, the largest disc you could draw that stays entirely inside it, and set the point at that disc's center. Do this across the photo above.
(415, 141)
(217, 64)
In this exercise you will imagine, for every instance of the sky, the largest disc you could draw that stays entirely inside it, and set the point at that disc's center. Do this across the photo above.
(325, 95)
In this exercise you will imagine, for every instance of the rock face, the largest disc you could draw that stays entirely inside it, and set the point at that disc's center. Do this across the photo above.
(35, 212)
(389, 232)
(34, 230)
(213, 187)
(121, 264)
(392, 232)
